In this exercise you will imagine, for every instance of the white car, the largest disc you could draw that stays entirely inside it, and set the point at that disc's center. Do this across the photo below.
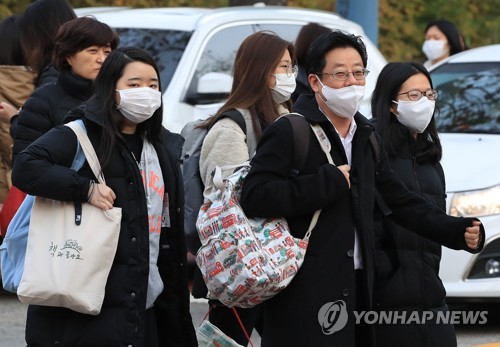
(469, 125)
(195, 48)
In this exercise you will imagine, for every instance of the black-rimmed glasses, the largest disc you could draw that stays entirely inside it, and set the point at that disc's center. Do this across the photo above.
(415, 94)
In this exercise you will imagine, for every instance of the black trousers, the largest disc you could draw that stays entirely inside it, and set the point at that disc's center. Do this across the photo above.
(361, 331)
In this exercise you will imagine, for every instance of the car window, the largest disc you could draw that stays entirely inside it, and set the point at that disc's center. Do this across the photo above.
(469, 97)
(166, 46)
(220, 51)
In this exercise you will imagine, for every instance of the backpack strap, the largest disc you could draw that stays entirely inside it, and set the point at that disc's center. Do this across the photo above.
(301, 136)
(237, 117)
(375, 147)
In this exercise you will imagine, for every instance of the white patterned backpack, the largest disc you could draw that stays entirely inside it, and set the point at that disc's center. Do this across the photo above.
(245, 261)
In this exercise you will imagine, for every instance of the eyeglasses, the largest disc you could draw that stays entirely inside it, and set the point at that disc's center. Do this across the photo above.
(289, 70)
(343, 76)
(416, 94)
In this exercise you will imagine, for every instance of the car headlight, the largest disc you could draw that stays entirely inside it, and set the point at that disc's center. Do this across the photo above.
(476, 203)
(487, 263)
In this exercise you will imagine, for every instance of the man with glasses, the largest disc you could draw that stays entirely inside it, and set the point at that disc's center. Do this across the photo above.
(323, 304)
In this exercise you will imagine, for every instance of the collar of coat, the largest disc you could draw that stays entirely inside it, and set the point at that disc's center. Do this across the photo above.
(76, 86)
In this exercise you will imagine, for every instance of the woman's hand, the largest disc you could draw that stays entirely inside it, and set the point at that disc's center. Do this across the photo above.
(7, 111)
(473, 235)
(100, 195)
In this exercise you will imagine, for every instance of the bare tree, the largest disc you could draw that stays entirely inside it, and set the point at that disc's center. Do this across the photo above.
(252, 2)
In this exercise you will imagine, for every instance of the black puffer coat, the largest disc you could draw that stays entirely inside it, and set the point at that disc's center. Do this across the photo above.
(47, 107)
(407, 265)
(327, 275)
(43, 170)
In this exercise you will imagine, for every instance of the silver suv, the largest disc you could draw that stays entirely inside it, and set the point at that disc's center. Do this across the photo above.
(195, 48)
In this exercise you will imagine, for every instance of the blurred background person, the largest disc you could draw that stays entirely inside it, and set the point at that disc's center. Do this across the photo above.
(81, 46)
(39, 25)
(442, 39)
(407, 265)
(306, 36)
(16, 85)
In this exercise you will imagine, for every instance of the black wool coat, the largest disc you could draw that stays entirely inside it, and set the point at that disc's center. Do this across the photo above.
(327, 274)
(43, 170)
(47, 107)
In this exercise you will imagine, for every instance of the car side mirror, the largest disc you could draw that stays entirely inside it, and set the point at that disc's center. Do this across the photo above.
(212, 87)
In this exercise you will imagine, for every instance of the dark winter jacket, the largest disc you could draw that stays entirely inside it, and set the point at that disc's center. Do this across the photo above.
(407, 265)
(327, 274)
(47, 107)
(43, 170)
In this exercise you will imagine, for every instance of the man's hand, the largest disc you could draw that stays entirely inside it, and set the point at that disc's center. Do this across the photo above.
(472, 235)
(345, 170)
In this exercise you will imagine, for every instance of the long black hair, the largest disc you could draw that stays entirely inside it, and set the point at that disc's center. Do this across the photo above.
(389, 83)
(105, 91)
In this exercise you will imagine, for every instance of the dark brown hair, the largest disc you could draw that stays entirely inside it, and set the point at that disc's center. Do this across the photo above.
(306, 36)
(11, 53)
(257, 58)
(39, 25)
(78, 34)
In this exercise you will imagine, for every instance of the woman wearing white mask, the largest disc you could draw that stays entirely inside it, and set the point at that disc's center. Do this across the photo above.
(147, 285)
(407, 268)
(442, 40)
(264, 75)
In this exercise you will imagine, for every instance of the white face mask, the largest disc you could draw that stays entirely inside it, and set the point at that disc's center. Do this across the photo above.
(285, 86)
(139, 104)
(434, 49)
(344, 102)
(415, 115)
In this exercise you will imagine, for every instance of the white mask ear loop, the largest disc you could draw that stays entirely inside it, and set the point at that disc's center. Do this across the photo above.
(321, 91)
(395, 112)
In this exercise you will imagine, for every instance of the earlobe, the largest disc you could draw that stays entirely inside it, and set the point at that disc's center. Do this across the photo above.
(68, 60)
(313, 82)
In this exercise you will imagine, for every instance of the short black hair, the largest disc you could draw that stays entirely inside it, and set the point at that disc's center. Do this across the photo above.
(315, 61)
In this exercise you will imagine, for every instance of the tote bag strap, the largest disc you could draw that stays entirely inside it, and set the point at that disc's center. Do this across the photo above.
(88, 150)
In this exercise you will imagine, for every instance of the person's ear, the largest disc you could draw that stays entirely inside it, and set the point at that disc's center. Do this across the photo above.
(393, 108)
(314, 83)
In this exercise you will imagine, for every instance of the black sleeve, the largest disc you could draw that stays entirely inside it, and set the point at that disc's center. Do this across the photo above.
(43, 168)
(33, 120)
(413, 212)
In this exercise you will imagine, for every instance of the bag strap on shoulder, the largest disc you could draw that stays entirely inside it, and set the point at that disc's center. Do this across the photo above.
(88, 149)
(237, 117)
